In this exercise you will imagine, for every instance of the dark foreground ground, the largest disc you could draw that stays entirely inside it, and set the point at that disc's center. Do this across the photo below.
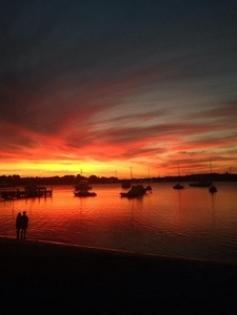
(44, 278)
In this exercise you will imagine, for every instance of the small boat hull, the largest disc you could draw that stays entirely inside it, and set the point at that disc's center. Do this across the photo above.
(213, 189)
(85, 194)
(137, 191)
(178, 187)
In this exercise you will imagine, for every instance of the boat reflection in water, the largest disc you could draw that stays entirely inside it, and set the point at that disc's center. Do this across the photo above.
(190, 223)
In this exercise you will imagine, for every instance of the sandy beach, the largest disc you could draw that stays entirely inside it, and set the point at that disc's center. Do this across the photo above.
(49, 277)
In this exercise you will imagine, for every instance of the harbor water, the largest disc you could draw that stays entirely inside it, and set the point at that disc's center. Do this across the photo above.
(189, 223)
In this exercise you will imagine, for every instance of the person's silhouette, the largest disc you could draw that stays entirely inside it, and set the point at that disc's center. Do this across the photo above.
(24, 224)
(18, 225)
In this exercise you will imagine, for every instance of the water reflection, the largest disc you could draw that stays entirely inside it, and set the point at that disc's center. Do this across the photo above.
(213, 210)
(178, 212)
(190, 222)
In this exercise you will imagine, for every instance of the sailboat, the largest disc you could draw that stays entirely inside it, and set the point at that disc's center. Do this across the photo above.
(178, 185)
(212, 188)
(126, 183)
(148, 187)
(82, 190)
(135, 192)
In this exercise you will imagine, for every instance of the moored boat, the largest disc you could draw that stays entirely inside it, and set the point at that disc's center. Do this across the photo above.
(148, 188)
(83, 185)
(136, 191)
(213, 189)
(82, 190)
(84, 193)
(178, 186)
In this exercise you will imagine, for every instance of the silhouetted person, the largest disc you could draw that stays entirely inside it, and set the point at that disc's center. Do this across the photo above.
(24, 224)
(18, 225)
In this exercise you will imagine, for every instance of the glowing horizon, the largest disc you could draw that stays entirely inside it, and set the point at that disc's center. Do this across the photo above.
(120, 89)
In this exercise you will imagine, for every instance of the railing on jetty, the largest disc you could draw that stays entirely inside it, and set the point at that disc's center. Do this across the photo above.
(27, 192)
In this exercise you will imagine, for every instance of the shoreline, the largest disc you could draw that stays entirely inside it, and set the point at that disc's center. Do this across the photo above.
(59, 277)
(107, 251)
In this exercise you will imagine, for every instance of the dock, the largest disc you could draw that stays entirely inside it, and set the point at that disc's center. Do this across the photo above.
(27, 192)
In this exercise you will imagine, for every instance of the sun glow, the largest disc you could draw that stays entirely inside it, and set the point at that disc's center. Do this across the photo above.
(51, 168)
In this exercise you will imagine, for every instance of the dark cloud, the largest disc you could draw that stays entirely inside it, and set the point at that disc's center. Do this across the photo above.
(224, 111)
(67, 66)
(159, 131)
(136, 116)
(143, 152)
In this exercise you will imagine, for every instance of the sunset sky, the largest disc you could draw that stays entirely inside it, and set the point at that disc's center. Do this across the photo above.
(103, 87)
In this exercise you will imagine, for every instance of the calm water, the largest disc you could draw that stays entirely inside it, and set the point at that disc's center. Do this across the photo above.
(188, 223)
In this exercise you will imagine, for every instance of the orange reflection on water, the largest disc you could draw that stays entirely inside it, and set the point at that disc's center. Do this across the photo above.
(191, 222)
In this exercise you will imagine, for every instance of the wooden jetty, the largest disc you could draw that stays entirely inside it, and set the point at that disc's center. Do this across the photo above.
(28, 192)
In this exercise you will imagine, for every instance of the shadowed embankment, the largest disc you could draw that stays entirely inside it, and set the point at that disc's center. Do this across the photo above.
(51, 278)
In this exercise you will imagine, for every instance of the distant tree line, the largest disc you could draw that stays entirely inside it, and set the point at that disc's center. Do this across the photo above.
(224, 177)
(14, 180)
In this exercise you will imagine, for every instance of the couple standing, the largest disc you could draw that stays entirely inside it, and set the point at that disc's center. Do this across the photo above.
(21, 225)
